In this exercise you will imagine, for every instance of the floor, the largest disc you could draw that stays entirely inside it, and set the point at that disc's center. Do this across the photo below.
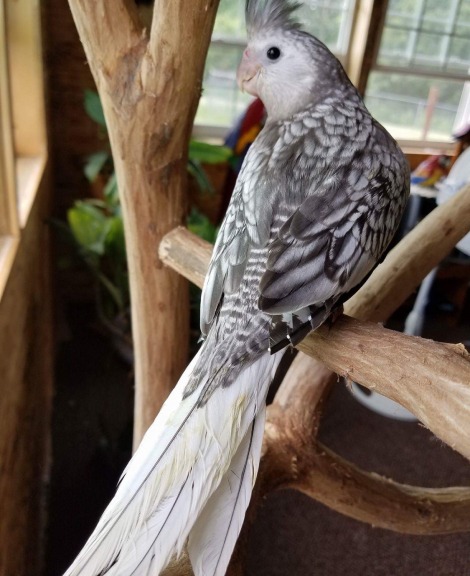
(293, 535)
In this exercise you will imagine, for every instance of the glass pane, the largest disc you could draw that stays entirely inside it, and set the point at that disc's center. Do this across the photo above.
(394, 49)
(414, 108)
(459, 54)
(463, 19)
(427, 33)
(403, 13)
(221, 101)
(429, 50)
(439, 16)
(230, 20)
(324, 20)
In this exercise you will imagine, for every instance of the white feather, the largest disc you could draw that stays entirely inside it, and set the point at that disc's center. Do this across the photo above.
(181, 461)
(120, 519)
(214, 535)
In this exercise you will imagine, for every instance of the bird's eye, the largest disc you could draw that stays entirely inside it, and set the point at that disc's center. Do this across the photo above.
(273, 53)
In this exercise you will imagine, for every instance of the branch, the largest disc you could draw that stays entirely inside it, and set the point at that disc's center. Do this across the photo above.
(291, 461)
(186, 253)
(303, 392)
(177, 49)
(431, 379)
(149, 86)
(108, 30)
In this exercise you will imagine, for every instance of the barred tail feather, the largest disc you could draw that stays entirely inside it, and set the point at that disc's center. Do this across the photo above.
(183, 458)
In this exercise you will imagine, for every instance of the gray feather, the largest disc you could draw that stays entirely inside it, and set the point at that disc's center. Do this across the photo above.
(263, 15)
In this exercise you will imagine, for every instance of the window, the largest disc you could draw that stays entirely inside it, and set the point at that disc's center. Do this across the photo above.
(416, 85)
(22, 123)
(222, 102)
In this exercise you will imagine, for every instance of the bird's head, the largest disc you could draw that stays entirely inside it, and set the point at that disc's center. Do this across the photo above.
(282, 65)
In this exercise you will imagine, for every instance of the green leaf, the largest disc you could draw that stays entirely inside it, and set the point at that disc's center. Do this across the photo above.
(94, 164)
(115, 240)
(206, 153)
(93, 107)
(110, 191)
(200, 224)
(198, 173)
(112, 290)
(89, 226)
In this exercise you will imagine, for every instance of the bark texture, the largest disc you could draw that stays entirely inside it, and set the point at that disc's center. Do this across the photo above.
(149, 82)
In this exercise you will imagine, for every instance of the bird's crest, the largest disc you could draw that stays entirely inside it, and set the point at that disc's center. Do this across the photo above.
(262, 15)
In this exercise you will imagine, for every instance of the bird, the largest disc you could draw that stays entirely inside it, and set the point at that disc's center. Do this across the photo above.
(317, 200)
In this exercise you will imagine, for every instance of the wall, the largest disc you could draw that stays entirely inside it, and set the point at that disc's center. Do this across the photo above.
(25, 393)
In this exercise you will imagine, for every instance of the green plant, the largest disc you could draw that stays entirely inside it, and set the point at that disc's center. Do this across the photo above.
(95, 229)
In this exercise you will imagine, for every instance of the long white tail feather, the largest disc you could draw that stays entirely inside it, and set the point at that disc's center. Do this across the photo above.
(178, 466)
(215, 532)
(117, 521)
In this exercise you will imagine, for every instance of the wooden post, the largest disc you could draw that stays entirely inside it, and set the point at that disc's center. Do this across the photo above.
(364, 46)
(149, 83)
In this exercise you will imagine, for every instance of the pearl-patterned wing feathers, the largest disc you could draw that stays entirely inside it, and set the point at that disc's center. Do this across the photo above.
(339, 232)
(324, 192)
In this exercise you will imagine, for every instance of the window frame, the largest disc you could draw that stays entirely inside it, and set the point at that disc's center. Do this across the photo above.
(23, 142)
(372, 65)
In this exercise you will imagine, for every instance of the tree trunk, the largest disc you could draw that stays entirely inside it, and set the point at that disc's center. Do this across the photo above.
(149, 83)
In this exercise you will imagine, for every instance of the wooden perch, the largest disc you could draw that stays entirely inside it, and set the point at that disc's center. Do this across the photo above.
(438, 388)
(149, 84)
(430, 379)
(292, 460)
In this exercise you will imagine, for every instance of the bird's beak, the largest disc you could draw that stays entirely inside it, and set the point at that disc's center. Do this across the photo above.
(247, 74)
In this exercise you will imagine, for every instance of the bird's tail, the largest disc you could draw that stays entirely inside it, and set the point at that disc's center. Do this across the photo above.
(191, 476)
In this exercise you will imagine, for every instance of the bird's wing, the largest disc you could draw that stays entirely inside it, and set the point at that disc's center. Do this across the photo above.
(332, 240)
(245, 226)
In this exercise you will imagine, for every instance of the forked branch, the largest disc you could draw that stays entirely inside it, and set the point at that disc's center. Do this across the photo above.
(149, 83)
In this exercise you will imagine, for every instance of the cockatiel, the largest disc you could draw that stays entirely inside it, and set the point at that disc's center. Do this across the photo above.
(318, 198)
